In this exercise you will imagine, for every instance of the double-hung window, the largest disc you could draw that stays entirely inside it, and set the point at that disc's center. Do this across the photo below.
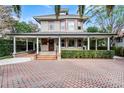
(62, 25)
(51, 26)
(71, 25)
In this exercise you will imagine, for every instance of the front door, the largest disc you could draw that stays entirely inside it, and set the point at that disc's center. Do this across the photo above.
(51, 44)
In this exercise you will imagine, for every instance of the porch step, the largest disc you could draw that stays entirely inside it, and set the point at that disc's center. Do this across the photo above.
(25, 55)
(46, 57)
(47, 53)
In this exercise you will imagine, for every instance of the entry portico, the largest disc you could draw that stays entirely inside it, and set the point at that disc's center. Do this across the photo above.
(54, 42)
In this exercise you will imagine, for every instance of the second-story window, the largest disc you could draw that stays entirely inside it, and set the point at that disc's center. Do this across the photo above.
(79, 26)
(51, 26)
(63, 25)
(70, 25)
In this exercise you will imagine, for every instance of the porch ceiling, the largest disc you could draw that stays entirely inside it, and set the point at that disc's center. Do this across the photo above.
(61, 34)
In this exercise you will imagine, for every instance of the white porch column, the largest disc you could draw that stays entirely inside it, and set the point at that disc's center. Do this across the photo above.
(96, 44)
(37, 45)
(34, 45)
(76, 42)
(66, 41)
(27, 45)
(14, 46)
(108, 43)
(59, 48)
(88, 43)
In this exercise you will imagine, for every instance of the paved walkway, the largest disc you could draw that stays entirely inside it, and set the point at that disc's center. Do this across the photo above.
(14, 60)
(66, 73)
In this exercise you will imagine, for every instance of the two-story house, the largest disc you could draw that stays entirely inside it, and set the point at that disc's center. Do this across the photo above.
(64, 33)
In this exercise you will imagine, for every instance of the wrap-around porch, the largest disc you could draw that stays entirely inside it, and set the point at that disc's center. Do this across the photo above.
(53, 43)
(53, 46)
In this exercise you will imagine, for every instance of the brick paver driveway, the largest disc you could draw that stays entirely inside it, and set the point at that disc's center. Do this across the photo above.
(67, 73)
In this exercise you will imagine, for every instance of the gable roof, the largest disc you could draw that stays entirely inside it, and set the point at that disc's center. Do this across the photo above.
(61, 17)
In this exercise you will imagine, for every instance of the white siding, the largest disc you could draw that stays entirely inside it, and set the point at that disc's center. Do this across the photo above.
(45, 25)
(57, 25)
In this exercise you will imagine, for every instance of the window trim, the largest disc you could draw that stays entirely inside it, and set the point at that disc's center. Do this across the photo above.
(64, 43)
(64, 22)
(53, 23)
(68, 25)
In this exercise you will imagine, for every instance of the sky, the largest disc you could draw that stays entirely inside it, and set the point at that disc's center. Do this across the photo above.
(28, 11)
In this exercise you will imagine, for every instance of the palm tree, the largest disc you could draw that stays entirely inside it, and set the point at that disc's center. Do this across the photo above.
(17, 10)
(81, 9)
(109, 9)
(57, 10)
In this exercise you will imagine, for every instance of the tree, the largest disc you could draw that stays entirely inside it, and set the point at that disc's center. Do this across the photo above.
(81, 9)
(33, 26)
(92, 29)
(109, 9)
(109, 18)
(5, 18)
(17, 10)
(57, 10)
(22, 27)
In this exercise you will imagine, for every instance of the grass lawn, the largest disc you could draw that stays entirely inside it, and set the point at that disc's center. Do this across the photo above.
(4, 57)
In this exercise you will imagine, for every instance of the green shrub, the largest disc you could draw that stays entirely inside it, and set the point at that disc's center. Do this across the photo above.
(87, 54)
(119, 51)
(6, 47)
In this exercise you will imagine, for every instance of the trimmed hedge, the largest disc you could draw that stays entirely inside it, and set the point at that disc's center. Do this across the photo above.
(119, 51)
(87, 54)
(6, 47)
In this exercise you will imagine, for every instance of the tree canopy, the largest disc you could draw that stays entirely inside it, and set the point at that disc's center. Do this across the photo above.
(23, 27)
(108, 18)
(92, 29)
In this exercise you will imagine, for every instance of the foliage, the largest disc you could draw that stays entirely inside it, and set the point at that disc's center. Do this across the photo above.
(87, 54)
(92, 29)
(109, 9)
(81, 9)
(119, 51)
(22, 27)
(57, 10)
(17, 10)
(5, 47)
(5, 17)
(34, 27)
(109, 18)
